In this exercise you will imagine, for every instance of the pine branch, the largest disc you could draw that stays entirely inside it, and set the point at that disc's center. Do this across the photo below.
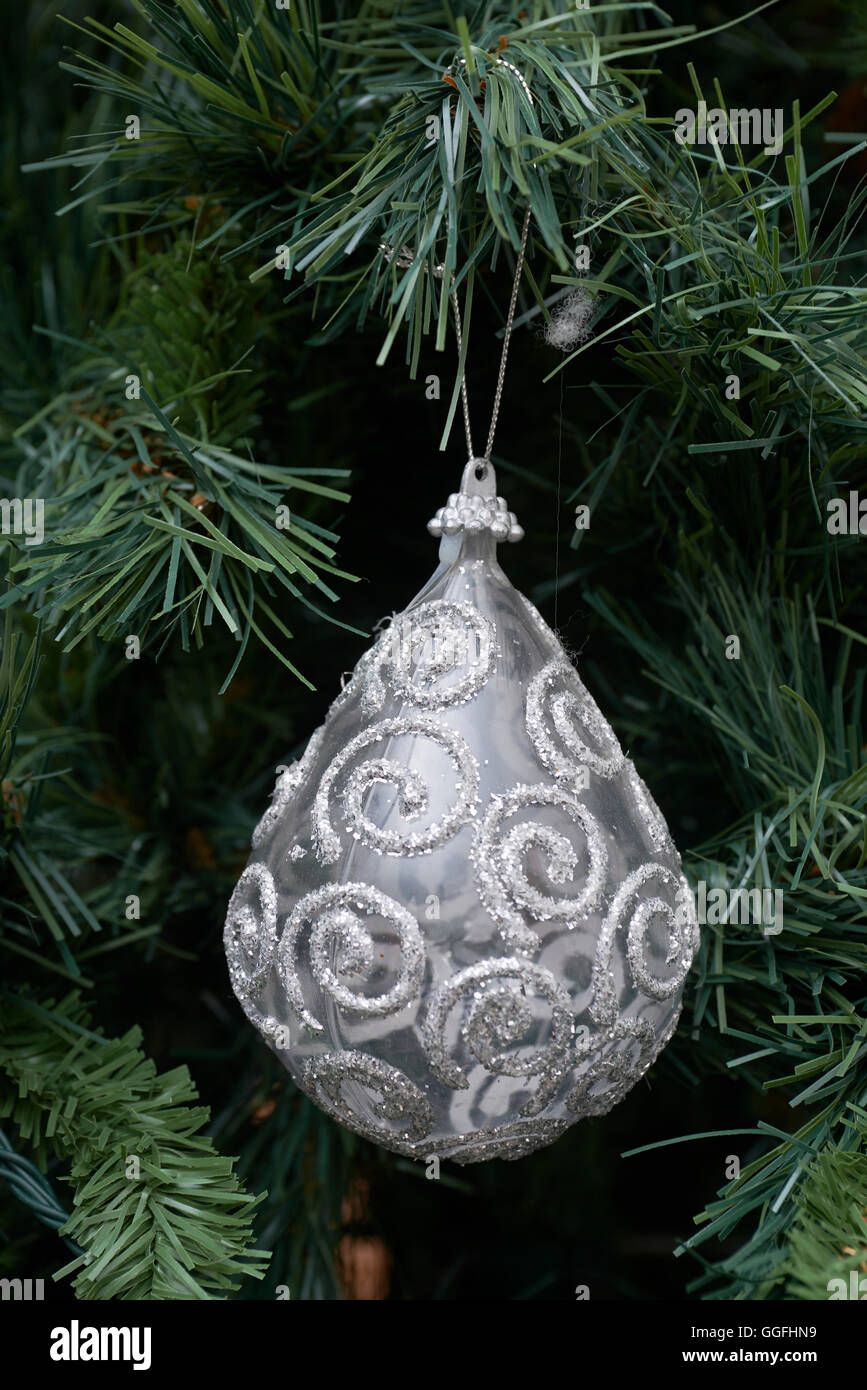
(429, 140)
(784, 1009)
(304, 1161)
(828, 1238)
(158, 1211)
(157, 523)
(44, 917)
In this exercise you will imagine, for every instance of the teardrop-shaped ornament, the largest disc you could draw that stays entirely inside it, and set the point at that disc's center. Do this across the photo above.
(463, 925)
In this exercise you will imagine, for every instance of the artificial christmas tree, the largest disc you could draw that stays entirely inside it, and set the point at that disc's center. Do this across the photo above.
(259, 204)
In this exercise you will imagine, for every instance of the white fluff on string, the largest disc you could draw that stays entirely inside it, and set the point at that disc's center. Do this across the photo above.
(569, 324)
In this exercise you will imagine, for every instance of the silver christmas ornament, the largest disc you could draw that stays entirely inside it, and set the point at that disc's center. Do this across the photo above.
(464, 924)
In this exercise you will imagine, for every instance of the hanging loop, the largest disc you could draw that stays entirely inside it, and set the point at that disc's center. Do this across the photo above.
(479, 479)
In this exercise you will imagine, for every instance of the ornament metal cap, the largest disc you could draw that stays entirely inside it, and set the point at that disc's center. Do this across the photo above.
(477, 507)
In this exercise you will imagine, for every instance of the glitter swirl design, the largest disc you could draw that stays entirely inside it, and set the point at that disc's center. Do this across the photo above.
(682, 939)
(338, 933)
(510, 1142)
(499, 859)
(607, 1053)
(650, 814)
(567, 755)
(285, 788)
(424, 645)
(250, 935)
(499, 1016)
(412, 793)
(605, 1064)
(398, 1100)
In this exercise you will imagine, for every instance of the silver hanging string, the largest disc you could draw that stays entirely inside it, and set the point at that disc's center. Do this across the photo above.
(404, 256)
(501, 375)
(501, 62)
(506, 336)
(465, 402)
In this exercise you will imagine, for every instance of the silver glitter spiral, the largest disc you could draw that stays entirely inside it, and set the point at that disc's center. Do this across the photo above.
(605, 1064)
(569, 754)
(412, 798)
(340, 935)
(498, 1018)
(425, 644)
(683, 939)
(651, 816)
(250, 936)
(399, 1100)
(501, 881)
(285, 788)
